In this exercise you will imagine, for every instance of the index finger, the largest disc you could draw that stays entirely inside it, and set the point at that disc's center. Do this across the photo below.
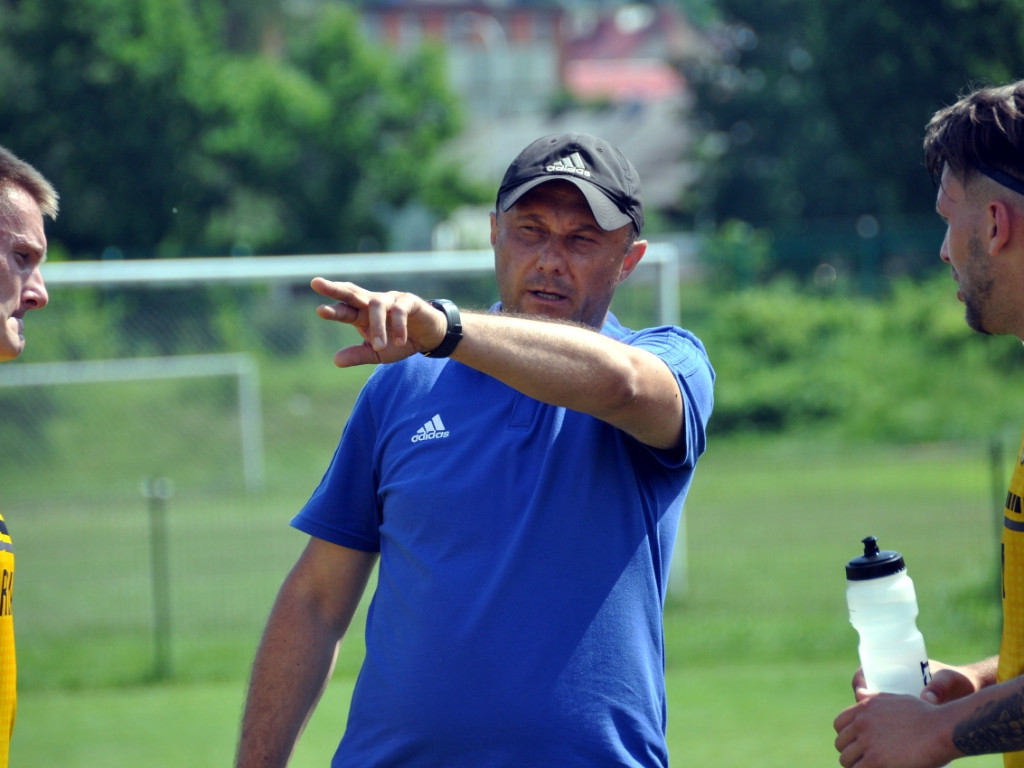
(349, 293)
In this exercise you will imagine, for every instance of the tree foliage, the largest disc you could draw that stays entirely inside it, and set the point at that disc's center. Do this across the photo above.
(816, 108)
(171, 127)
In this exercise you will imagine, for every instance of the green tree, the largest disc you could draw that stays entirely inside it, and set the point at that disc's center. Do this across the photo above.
(91, 94)
(363, 143)
(170, 127)
(816, 108)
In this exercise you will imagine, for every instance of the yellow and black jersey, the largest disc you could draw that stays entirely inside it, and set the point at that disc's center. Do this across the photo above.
(1011, 651)
(8, 667)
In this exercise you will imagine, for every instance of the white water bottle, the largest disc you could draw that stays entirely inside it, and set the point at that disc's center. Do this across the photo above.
(883, 610)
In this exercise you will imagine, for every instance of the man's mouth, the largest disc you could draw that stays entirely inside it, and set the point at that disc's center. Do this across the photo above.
(548, 295)
(956, 279)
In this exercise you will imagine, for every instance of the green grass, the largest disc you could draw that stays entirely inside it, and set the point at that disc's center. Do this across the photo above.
(732, 714)
(760, 652)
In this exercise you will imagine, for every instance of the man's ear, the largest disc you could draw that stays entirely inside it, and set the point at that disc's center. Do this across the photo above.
(633, 256)
(494, 228)
(1000, 226)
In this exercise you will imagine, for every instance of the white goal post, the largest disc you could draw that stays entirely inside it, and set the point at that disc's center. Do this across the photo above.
(239, 365)
(167, 273)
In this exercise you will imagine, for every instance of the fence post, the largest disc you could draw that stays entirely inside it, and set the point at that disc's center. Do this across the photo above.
(157, 491)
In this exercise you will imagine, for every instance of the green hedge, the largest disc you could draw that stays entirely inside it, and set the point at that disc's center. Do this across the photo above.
(903, 367)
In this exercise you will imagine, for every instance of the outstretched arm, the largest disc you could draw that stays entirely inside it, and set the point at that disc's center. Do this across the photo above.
(578, 368)
(556, 363)
(296, 655)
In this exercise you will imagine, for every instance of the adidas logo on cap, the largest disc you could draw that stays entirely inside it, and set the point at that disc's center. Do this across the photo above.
(571, 164)
(432, 430)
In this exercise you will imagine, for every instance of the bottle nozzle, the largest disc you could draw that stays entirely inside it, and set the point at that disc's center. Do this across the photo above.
(873, 563)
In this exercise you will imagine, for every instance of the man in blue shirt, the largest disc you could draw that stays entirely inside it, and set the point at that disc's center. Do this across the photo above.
(519, 474)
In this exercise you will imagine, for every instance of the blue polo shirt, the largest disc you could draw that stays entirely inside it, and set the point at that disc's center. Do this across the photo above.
(524, 557)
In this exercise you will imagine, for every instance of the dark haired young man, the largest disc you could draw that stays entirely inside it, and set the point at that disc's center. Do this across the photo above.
(974, 151)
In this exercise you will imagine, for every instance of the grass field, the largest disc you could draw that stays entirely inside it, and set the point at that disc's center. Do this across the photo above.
(760, 651)
(776, 715)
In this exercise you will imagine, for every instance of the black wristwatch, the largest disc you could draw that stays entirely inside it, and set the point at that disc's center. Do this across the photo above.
(454, 334)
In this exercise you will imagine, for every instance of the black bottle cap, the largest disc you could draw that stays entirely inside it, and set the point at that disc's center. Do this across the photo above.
(874, 564)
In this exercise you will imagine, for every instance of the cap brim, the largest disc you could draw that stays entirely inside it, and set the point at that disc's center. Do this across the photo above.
(606, 212)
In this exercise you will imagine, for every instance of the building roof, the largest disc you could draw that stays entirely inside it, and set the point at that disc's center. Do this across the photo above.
(623, 80)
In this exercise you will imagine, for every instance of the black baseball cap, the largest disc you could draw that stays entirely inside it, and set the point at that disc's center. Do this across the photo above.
(601, 172)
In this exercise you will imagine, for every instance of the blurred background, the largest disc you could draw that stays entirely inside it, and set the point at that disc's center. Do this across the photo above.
(176, 402)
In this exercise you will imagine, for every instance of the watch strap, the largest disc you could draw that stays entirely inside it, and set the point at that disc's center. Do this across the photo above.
(454, 334)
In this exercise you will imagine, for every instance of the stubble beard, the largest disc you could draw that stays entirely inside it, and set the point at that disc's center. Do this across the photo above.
(980, 295)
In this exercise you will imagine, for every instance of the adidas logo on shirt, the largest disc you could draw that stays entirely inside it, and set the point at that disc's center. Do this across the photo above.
(571, 164)
(432, 430)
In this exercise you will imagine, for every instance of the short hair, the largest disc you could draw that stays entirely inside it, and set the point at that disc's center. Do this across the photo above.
(984, 130)
(17, 173)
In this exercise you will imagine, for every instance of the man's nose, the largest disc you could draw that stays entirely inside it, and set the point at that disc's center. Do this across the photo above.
(944, 248)
(551, 258)
(34, 293)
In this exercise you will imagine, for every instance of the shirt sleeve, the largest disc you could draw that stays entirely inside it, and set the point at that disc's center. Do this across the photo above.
(686, 357)
(345, 508)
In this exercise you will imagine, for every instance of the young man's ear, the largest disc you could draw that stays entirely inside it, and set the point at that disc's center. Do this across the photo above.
(1000, 225)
